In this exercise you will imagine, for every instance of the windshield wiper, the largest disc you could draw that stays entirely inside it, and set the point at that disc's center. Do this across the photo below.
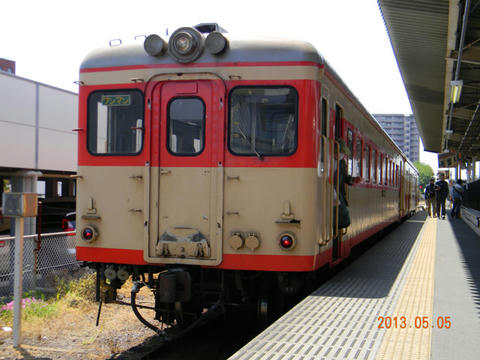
(252, 145)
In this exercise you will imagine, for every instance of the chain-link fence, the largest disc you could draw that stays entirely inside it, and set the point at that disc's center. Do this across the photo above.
(45, 258)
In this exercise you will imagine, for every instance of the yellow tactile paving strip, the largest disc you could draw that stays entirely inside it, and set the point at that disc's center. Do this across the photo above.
(406, 338)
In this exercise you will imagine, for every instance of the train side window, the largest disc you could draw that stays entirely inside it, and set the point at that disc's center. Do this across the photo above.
(186, 126)
(324, 117)
(396, 176)
(400, 173)
(323, 124)
(374, 166)
(395, 169)
(350, 147)
(263, 121)
(385, 172)
(358, 157)
(115, 122)
(338, 120)
(380, 163)
(366, 163)
(390, 172)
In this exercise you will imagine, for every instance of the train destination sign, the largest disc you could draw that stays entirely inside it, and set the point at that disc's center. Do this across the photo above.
(448, 160)
(116, 100)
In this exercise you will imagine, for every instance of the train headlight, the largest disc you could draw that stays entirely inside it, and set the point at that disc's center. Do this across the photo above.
(183, 43)
(216, 43)
(154, 45)
(186, 44)
(89, 233)
(287, 241)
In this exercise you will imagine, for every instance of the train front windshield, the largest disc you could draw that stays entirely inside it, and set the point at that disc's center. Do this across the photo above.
(263, 121)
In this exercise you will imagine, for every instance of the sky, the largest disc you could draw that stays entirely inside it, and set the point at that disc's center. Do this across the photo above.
(48, 39)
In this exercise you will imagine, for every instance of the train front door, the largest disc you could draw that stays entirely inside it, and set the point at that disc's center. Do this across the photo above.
(190, 172)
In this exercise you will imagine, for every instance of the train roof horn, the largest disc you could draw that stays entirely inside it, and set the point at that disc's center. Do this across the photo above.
(187, 43)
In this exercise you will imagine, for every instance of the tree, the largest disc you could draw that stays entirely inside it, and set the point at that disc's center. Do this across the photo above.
(425, 172)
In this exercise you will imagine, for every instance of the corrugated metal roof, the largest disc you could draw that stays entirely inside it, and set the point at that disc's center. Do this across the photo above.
(418, 33)
(425, 36)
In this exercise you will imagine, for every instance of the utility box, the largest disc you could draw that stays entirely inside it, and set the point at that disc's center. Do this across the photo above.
(16, 204)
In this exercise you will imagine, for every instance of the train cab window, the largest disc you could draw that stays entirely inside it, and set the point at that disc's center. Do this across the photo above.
(350, 147)
(374, 166)
(263, 121)
(358, 157)
(115, 122)
(366, 163)
(186, 126)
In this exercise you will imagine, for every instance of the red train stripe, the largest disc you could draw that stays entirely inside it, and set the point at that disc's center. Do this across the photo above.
(235, 261)
(105, 255)
(230, 261)
(267, 262)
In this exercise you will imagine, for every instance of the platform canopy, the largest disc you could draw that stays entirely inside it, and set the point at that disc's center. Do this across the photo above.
(437, 47)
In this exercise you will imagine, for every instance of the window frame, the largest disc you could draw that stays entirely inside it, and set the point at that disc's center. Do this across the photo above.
(338, 120)
(380, 169)
(367, 150)
(359, 157)
(167, 140)
(350, 146)
(385, 174)
(324, 114)
(88, 132)
(229, 122)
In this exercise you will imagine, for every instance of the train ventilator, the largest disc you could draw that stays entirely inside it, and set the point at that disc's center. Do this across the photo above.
(208, 168)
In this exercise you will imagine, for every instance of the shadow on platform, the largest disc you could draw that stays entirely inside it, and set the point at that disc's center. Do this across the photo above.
(469, 243)
(373, 274)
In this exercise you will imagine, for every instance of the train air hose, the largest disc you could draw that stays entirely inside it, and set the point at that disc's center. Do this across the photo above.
(213, 311)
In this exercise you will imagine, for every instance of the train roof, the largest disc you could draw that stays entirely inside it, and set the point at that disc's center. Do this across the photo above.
(239, 50)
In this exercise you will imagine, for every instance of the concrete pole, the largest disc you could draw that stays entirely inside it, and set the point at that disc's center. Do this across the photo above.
(18, 282)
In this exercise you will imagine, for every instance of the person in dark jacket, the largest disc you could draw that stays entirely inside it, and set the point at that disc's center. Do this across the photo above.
(344, 177)
(457, 197)
(430, 198)
(441, 193)
(341, 198)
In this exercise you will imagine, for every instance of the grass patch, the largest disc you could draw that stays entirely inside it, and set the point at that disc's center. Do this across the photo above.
(32, 308)
(36, 305)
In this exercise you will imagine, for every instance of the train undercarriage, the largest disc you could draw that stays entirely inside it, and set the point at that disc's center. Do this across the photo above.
(185, 297)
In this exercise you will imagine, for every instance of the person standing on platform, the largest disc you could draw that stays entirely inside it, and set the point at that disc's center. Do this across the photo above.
(441, 193)
(457, 196)
(430, 198)
(450, 199)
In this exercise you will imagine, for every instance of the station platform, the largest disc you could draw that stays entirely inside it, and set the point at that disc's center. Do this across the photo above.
(413, 295)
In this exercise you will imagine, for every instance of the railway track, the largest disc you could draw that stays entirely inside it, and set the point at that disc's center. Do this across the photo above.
(216, 340)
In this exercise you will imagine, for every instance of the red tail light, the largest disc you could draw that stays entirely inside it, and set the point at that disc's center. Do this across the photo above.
(287, 241)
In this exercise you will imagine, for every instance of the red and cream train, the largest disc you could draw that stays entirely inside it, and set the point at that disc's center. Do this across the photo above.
(206, 168)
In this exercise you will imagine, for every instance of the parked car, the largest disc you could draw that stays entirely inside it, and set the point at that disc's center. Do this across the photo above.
(69, 221)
